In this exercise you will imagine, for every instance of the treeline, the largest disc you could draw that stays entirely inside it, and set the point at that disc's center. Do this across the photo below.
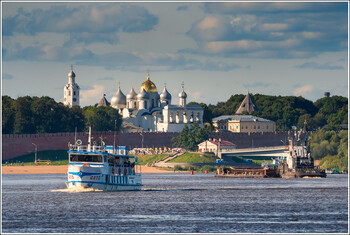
(287, 111)
(331, 147)
(44, 115)
(191, 136)
(30, 115)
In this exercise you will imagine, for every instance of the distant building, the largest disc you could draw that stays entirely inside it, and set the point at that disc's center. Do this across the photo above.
(212, 145)
(243, 124)
(71, 90)
(247, 105)
(103, 102)
(327, 94)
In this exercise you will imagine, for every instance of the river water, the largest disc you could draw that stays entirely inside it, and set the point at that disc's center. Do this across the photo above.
(177, 203)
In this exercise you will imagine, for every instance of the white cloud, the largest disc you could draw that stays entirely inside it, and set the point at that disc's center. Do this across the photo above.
(196, 95)
(92, 96)
(304, 90)
(273, 27)
(311, 35)
(209, 23)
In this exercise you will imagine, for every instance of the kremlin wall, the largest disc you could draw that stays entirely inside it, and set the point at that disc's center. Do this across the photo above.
(14, 145)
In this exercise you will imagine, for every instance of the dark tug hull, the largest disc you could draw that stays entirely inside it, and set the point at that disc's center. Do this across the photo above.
(250, 172)
(301, 173)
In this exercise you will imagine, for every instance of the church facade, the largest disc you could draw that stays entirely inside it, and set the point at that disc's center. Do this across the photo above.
(154, 112)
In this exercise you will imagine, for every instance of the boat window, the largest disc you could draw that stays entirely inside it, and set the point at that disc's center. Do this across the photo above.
(111, 161)
(85, 158)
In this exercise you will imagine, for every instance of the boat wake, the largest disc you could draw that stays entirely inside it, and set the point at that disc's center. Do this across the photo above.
(82, 190)
(172, 189)
(86, 190)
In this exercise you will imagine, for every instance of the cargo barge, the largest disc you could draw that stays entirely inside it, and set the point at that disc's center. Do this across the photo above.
(247, 172)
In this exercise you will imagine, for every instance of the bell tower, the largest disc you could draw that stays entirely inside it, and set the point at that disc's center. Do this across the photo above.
(71, 90)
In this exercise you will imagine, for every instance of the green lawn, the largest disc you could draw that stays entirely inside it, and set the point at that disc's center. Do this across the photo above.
(53, 155)
(195, 158)
(144, 159)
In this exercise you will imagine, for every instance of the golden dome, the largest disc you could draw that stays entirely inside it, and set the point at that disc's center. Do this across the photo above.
(148, 85)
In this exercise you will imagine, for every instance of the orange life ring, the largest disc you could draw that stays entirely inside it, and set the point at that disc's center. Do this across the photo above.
(125, 171)
(85, 164)
(286, 147)
(120, 171)
(112, 170)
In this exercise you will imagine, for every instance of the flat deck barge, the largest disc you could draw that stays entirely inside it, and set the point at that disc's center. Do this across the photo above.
(247, 172)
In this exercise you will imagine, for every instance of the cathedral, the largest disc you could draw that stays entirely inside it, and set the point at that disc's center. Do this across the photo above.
(153, 112)
(146, 111)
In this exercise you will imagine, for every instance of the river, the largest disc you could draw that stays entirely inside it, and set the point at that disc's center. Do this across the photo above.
(177, 203)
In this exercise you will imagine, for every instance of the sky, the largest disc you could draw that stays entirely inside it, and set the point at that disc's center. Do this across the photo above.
(216, 49)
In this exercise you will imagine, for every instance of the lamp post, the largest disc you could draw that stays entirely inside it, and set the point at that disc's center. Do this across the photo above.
(142, 139)
(36, 152)
(115, 129)
(219, 150)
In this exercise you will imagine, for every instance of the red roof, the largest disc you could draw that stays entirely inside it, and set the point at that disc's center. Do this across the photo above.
(222, 143)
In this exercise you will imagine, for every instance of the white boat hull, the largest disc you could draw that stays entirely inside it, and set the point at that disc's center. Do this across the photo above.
(81, 186)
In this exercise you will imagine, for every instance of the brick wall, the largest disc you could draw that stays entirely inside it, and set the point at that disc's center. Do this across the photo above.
(20, 144)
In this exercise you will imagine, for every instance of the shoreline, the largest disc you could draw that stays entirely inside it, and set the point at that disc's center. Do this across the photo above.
(62, 169)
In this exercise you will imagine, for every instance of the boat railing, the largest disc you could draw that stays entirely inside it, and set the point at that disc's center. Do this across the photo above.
(85, 148)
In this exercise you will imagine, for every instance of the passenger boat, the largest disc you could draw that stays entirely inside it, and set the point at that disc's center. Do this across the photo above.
(102, 167)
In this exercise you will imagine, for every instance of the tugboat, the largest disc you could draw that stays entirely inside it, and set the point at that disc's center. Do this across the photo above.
(299, 163)
(102, 167)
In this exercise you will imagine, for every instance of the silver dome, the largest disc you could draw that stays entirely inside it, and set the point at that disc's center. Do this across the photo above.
(165, 95)
(132, 94)
(183, 94)
(143, 95)
(118, 99)
(71, 74)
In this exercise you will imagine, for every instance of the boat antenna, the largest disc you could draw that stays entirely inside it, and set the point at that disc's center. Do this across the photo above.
(115, 127)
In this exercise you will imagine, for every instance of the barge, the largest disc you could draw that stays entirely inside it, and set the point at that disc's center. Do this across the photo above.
(247, 172)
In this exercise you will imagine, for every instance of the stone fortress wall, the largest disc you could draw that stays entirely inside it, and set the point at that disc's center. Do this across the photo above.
(15, 145)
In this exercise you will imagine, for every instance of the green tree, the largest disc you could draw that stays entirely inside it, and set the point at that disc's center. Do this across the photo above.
(8, 115)
(331, 147)
(23, 123)
(101, 118)
(189, 138)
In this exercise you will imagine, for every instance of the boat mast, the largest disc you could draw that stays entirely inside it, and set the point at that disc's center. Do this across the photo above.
(89, 141)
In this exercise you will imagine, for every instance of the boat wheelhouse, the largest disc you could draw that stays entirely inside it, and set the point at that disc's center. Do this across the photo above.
(102, 167)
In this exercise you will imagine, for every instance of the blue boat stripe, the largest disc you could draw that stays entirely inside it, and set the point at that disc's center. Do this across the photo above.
(88, 182)
(94, 164)
(81, 174)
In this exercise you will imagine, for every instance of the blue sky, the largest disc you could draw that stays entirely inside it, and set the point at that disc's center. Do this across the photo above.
(216, 49)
